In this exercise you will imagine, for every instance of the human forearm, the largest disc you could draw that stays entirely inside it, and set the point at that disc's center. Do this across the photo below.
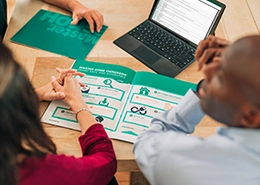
(83, 116)
(65, 4)
(96, 145)
(95, 140)
(170, 127)
(73, 97)
(183, 117)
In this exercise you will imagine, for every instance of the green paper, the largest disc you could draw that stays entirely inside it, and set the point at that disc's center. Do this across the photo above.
(53, 32)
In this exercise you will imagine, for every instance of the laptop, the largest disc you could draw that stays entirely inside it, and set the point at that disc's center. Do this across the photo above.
(167, 40)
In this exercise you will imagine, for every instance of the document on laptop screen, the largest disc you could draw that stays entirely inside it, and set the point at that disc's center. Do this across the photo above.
(191, 19)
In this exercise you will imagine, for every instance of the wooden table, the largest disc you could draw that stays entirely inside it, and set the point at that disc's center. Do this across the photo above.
(120, 16)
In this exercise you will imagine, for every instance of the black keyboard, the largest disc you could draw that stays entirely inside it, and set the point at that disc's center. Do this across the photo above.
(164, 43)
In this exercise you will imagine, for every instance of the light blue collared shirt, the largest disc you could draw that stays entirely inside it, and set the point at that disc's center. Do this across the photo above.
(166, 155)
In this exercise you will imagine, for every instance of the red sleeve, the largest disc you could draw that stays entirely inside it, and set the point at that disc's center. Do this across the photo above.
(96, 144)
(95, 140)
(96, 167)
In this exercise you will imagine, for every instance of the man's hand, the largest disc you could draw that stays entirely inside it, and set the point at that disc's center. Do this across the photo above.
(210, 48)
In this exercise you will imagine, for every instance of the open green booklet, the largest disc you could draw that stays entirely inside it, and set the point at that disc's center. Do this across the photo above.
(123, 100)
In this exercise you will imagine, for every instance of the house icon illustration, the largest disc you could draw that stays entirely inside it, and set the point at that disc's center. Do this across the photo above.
(144, 91)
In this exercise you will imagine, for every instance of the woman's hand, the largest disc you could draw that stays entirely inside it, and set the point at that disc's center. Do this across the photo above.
(47, 92)
(64, 72)
(73, 97)
(71, 90)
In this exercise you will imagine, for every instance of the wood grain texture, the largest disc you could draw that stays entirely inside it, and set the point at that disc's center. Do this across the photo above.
(254, 6)
(238, 20)
(241, 18)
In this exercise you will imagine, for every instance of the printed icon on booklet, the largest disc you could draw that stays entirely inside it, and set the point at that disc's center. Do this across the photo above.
(157, 111)
(104, 102)
(85, 89)
(99, 119)
(144, 91)
(108, 82)
(141, 110)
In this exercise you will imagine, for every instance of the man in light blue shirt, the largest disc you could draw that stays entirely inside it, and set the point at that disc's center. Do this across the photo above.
(229, 94)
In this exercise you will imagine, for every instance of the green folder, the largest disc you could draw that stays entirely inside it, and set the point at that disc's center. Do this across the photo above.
(53, 32)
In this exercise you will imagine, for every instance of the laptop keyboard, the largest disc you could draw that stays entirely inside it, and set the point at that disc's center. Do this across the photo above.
(176, 51)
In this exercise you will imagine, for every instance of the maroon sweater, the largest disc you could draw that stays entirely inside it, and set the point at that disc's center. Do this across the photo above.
(97, 166)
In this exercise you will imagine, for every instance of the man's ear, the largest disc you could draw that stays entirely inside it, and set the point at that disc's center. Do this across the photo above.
(250, 117)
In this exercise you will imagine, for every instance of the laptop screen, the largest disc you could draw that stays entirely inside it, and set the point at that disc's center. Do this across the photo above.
(191, 19)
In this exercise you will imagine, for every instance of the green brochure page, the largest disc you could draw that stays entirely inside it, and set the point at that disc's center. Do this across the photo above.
(123, 100)
(53, 32)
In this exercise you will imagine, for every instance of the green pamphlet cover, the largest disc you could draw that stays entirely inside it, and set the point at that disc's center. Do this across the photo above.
(53, 32)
